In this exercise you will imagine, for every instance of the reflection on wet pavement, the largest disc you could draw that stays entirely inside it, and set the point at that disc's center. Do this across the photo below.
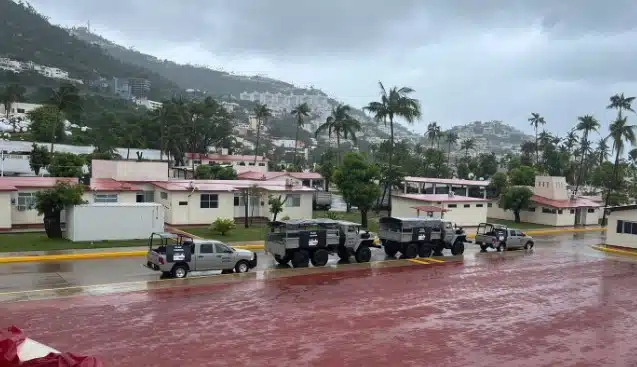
(558, 305)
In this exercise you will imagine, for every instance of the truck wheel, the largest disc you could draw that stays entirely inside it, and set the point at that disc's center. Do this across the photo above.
(528, 245)
(363, 254)
(180, 271)
(410, 251)
(390, 248)
(242, 267)
(282, 260)
(320, 257)
(457, 248)
(483, 248)
(300, 259)
(343, 253)
(424, 250)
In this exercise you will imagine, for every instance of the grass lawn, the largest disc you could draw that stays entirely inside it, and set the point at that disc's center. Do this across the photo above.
(512, 224)
(240, 234)
(38, 241)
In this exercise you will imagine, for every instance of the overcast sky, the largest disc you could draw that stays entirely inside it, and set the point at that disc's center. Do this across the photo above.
(467, 59)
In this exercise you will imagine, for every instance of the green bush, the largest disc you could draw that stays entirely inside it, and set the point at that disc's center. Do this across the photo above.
(285, 217)
(333, 215)
(222, 225)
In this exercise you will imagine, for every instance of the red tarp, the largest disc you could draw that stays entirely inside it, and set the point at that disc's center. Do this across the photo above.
(11, 339)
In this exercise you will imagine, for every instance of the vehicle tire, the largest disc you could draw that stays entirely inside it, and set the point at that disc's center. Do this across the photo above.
(242, 267)
(320, 257)
(363, 254)
(300, 259)
(457, 248)
(343, 253)
(390, 248)
(410, 251)
(425, 250)
(179, 271)
(483, 248)
(282, 260)
(528, 245)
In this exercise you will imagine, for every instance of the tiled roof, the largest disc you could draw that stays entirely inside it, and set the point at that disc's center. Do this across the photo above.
(443, 198)
(225, 185)
(447, 181)
(35, 182)
(252, 175)
(562, 204)
(225, 157)
(107, 184)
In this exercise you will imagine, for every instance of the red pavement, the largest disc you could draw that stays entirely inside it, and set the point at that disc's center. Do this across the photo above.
(525, 310)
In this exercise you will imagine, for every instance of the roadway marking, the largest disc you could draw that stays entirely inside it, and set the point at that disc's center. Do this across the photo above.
(434, 260)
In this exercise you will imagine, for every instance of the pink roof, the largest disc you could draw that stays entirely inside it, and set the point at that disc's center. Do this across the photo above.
(225, 185)
(224, 157)
(439, 198)
(252, 175)
(429, 208)
(447, 181)
(108, 184)
(36, 182)
(565, 204)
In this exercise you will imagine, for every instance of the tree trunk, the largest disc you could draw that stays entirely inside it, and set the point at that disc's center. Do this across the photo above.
(364, 218)
(449, 155)
(516, 213)
(391, 163)
(52, 224)
(581, 165)
(338, 147)
(256, 146)
(246, 224)
(537, 155)
(127, 153)
(296, 142)
(611, 187)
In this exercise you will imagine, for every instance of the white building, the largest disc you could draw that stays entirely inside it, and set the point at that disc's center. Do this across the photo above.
(240, 163)
(554, 205)
(622, 226)
(465, 211)
(151, 105)
(286, 102)
(19, 109)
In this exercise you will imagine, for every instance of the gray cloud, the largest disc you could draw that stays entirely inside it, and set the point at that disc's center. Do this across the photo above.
(467, 59)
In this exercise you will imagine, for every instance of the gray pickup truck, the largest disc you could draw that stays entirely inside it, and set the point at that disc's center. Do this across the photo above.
(501, 238)
(176, 256)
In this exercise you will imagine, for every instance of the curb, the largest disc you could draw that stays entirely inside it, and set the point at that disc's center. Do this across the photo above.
(252, 247)
(614, 251)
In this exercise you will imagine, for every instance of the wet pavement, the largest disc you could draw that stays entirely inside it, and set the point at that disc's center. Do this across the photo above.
(562, 304)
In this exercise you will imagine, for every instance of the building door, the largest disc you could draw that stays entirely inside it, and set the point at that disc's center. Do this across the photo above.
(578, 216)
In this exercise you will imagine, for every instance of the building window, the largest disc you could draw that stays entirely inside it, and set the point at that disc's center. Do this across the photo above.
(293, 201)
(560, 211)
(626, 227)
(531, 209)
(549, 210)
(452, 206)
(209, 201)
(262, 164)
(20, 110)
(105, 198)
(591, 210)
(145, 197)
(183, 203)
(467, 205)
(26, 201)
(489, 205)
(479, 205)
(251, 164)
(572, 211)
(163, 195)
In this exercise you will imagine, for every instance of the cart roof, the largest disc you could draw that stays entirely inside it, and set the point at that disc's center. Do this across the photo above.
(313, 222)
(166, 235)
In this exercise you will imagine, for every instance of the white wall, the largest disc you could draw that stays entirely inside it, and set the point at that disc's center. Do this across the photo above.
(621, 239)
(551, 187)
(130, 170)
(470, 216)
(565, 218)
(5, 210)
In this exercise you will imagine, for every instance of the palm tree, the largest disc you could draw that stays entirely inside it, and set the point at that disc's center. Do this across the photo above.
(9, 95)
(570, 141)
(602, 151)
(585, 124)
(451, 138)
(620, 132)
(394, 103)
(466, 145)
(262, 113)
(621, 103)
(433, 132)
(342, 124)
(300, 111)
(67, 100)
(536, 120)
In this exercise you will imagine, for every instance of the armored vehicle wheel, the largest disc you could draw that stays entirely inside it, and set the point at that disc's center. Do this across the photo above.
(483, 248)
(282, 260)
(343, 253)
(424, 250)
(320, 257)
(457, 248)
(390, 248)
(300, 259)
(410, 251)
(363, 254)
(180, 271)
(528, 245)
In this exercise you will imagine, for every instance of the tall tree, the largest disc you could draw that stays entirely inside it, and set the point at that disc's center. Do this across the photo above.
(586, 124)
(68, 102)
(356, 178)
(467, 145)
(602, 150)
(342, 124)
(11, 94)
(395, 103)
(451, 138)
(536, 120)
(433, 133)
(263, 113)
(300, 112)
(621, 103)
(620, 133)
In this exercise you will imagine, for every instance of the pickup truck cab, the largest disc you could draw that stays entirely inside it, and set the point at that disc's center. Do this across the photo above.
(501, 238)
(176, 257)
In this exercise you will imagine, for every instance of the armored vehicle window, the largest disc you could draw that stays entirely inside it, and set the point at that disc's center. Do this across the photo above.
(222, 249)
(206, 248)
